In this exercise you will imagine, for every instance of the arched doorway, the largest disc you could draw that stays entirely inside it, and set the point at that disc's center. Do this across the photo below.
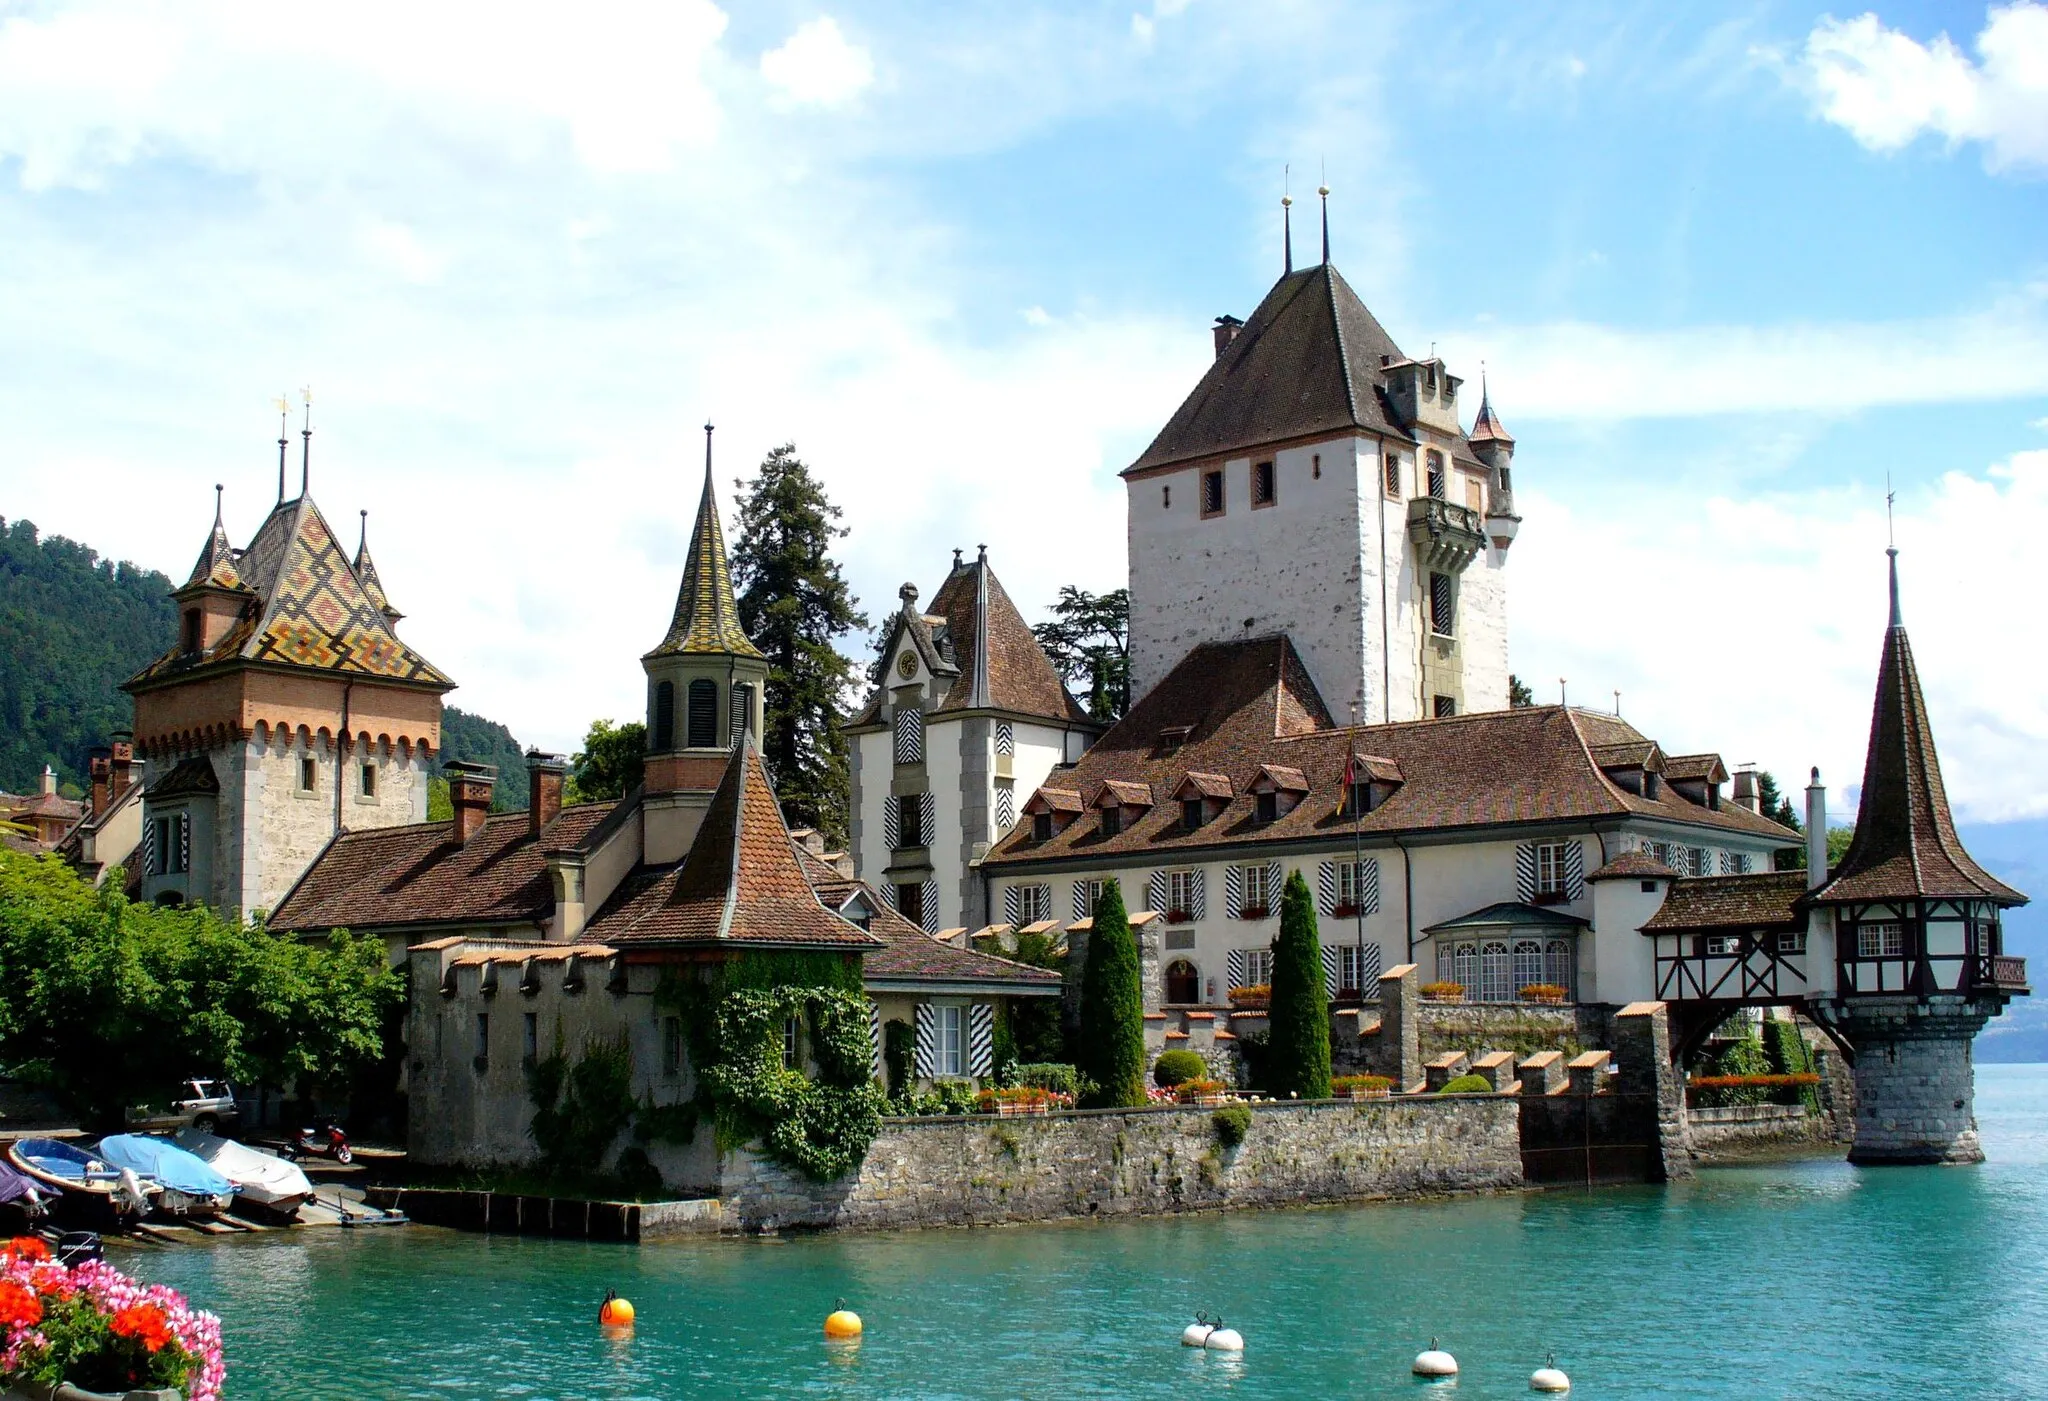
(1183, 982)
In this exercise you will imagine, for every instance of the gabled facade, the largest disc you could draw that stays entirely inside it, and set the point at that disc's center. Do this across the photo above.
(1317, 482)
(286, 711)
(967, 717)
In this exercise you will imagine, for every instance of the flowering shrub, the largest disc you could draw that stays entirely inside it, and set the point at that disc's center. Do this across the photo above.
(1256, 995)
(94, 1327)
(1022, 1097)
(1158, 1094)
(1359, 1086)
(1542, 992)
(1443, 992)
(1198, 1088)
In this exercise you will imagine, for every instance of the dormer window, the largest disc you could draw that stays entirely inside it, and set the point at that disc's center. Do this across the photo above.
(1112, 821)
(1262, 484)
(1191, 814)
(1276, 791)
(1266, 807)
(1173, 737)
(1041, 827)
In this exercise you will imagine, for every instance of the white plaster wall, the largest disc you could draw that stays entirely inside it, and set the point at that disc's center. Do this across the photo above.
(1293, 567)
(1624, 958)
(1039, 749)
(870, 796)
(1483, 631)
(942, 773)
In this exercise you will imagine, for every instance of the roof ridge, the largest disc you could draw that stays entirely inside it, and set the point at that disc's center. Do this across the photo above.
(1343, 351)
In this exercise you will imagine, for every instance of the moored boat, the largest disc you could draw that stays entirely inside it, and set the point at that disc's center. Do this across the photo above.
(190, 1186)
(83, 1178)
(21, 1195)
(260, 1179)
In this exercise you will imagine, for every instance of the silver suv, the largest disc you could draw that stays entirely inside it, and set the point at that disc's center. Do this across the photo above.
(206, 1105)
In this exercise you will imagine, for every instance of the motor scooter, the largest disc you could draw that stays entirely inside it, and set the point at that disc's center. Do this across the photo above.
(324, 1140)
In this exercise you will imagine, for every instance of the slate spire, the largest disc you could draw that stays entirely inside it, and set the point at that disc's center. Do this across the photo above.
(366, 574)
(707, 617)
(216, 563)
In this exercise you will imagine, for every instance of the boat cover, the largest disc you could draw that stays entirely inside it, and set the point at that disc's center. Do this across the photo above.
(14, 1185)
(258, 1176)
(166, 1162)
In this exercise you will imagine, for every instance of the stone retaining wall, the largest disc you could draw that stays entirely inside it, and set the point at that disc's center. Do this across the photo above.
(1737, 1128)
(983, 1170)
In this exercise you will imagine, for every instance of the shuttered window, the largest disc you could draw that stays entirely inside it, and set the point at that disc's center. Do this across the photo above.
(665, 716)
(702, 719)
(1436, 474)
(1443, 618)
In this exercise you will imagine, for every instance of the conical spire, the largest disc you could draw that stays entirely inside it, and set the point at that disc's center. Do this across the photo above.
(707, 618)
(216, 564)
(366, 574)
(1487, 427)
(1906, 844)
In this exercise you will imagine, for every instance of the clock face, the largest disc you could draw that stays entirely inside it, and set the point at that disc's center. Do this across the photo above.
(906, 665)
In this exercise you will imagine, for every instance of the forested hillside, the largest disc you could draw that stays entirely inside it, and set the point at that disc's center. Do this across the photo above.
(73, 627)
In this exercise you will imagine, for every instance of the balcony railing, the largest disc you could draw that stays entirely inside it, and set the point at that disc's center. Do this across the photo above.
(1448, 535)
(2003, 972)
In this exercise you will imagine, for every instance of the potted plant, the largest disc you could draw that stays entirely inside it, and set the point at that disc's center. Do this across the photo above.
(1202, 1093)
(1443, 992)
(87, 1331)
(1361, 1087)
(1256, 997)
(1548, 994)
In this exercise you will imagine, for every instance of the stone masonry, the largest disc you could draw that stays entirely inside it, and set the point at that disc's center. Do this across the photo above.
(1915, 1082)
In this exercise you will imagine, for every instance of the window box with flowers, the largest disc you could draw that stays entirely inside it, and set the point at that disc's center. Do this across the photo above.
(1021, 1099)
(1361, 1087)
(87, 1331)
(1256, 998)
(1180, 916)
(1443, 992)
(1548, 994)
(1255, 912)
(1344, 911)
(1201, 1093)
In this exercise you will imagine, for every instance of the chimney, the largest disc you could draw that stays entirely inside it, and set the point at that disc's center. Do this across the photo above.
(121, 764)
(543, 789)
(1816, 833)
(469, 793)
(100, 767)
(1225, 331)
(1745, 791)
(47, 785)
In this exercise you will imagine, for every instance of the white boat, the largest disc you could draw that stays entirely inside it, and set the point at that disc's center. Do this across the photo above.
(259, 1178)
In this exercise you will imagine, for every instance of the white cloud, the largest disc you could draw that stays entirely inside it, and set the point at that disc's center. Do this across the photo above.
(816, 66)
(400, 248)
(1753, 627)
(1887, 89)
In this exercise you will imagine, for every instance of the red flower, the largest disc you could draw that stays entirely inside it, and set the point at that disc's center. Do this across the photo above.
(144, 1321)
(28, 1248)
(52, 1280)
(19, 1306)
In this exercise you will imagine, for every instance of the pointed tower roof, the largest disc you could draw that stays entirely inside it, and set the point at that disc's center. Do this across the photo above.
(1906, 845)
(366, 574)
(216, 564)
(1308, 361)
(313, 611)
(1001, 665)
(741, 883)
(1487, 427)
(707, 617)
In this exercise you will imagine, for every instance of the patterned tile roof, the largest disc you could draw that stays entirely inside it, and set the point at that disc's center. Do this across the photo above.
(1249, 705)
(1631, 865)
(1906, 844)
(366, 574)
(1764, 900)
(707, 617)
(742, 881)
(309, 610)
(418, 875)
(216, 563)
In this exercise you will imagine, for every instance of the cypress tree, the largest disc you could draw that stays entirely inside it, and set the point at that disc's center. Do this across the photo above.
(1298, 1061)
(795, 605)
(1111, 1051)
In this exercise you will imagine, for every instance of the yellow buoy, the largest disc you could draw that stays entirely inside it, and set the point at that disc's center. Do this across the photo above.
(615, 1312)
(842, 1322)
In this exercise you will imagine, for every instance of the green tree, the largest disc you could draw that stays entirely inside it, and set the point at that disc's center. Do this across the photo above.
(1035, 1021)
(1520, 697)
(109, 1003)
(1110, 1051)
(1774, 804)
(1298, 1056)
(1088, 640)
(475, 740)
(609, 764)
(795, 605)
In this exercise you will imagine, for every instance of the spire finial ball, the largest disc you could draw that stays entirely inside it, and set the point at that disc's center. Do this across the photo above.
(1286, 201)
(908, 593)
(1323, 190)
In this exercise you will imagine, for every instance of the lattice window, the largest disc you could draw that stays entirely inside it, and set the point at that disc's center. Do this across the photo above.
(1735, 863)
(1358, 966)
(1559, 965)
(951, 1045)
(1258, 893)
(1550, 868)
(1258, 966)
(1496, 972)
(1034, 903)
(1184, 893)
(1465, 966)
(1528, 959)
(1884, 939)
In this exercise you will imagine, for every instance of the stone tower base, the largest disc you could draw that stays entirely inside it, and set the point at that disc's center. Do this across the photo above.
(1915, 1081)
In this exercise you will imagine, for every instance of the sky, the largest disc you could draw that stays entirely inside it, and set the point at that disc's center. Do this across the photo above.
(1731, 270)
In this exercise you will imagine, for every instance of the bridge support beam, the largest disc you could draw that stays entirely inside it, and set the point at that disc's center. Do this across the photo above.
(1915, 1081)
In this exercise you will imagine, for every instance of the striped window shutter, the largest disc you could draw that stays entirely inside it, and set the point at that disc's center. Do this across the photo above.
(1525, 872)
(927, 1057)
(184, 841)
(1369, 886)
(909, 735)
(1326, 888)
(1081, 910)
(931, 906)
(1013, 904)
(1330, 976)
(892, 823)
(875, 1038)
(1155, 891)
(981, 1039)
(149, 851)
(1233, 893)
(1195, 893)
(1006, 806)
(927, 817)
(1273, 886)
(1574, 869)
(1234, 967)
(1372, 969)
(1006, 738)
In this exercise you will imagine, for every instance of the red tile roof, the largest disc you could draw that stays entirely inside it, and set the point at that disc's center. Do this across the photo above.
(1250, 706)
(1765, 900)
(1632, 864)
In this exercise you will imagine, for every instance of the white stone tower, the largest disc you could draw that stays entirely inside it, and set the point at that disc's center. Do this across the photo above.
(1317, 482)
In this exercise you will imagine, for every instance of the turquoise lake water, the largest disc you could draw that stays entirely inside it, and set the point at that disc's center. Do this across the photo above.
(1808, 1279)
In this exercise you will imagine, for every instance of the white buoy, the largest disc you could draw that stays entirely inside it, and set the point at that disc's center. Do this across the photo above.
(1223, 1339)
(1434, 1362)
(1549, 1378)
(1196, 1334)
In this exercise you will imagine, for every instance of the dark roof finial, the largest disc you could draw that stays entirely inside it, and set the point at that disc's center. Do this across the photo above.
(284, 409)
(216, 505)
(1892, 558)
(1324, 192)
(306, 444)
(981, 554)
(957, 552)
(1891, 550)
(1287, 234)
(363, 539)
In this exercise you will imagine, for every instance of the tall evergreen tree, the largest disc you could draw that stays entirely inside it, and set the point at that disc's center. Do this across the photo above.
(795, 605)
(1298, 1058)
(1111, 1049)
(1088, 639)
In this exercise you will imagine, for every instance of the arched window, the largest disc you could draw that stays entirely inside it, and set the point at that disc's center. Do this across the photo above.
(1183, 982)
(1465, 962)
(665, 716)
(703, 716)
(1528, 964)
(1557, 964)
(1495, 980)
